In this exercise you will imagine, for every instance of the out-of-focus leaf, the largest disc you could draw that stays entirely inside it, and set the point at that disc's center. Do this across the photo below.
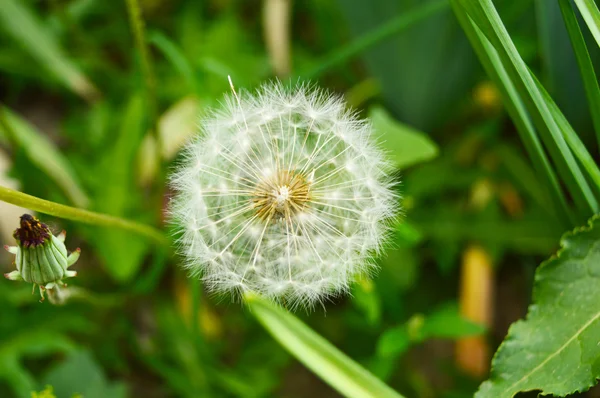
(532, 234)
(80, 374)
(407, 234)
(447, 323)
(121, 251)
(43, 153)
(444, 323)
(9, 214)
(176, 57)
(406, 145)
(555, 349)
(367, 300)
(175, 127)
(37, 342)
(316, 353)
(423, 71)
(178, 124)
(24, 27)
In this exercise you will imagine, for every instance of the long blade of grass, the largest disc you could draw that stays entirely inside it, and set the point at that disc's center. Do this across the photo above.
(516, 109)
(572, 139)
(590, 80)
(486, 18)
(176, 57)
(316, 353)
(43, 153)
(591, 16)
(360, 44)
(23, 26)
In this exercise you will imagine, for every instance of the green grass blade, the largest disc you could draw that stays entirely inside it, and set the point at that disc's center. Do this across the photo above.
(590, 80)
(316, 353)
(43, 153)
(22, 25)
(591, 16)
(360, 44)
(485, 17)
(175, 56)
(516, 109)
(572, 139)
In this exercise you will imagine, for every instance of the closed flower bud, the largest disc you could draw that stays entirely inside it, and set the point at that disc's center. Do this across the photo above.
(41, 257)
(284, 194)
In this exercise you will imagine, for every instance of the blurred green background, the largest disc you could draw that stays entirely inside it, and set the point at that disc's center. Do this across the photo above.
(80, 112)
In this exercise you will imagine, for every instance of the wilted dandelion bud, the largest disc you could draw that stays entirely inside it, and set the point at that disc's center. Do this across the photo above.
(283, 194)
(41, 258)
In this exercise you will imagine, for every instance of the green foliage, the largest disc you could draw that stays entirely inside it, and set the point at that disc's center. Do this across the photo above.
(43, 153)
(465, 178)
(345, 375)
(444, 323)
(41, 44)
(80, 375)
(555, 348)
(406, 145)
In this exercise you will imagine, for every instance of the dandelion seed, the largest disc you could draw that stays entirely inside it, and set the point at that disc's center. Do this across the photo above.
(284, 194)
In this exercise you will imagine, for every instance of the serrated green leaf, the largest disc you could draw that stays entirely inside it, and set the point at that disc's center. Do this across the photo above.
(406, 145)
(555, 349)
(316, 353)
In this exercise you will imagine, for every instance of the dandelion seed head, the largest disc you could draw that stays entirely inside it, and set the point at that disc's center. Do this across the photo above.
(285, 194)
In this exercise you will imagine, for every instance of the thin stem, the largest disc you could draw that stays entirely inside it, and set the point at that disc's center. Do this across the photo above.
(375, 36)
(139, 34)
(84, 216)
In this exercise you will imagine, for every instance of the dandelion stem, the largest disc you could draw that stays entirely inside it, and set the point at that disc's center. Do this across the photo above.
(84, 216)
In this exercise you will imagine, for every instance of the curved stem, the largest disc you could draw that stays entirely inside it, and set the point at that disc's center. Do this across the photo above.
(84, 216)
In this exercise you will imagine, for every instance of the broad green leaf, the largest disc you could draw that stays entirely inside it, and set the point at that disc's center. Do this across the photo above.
(591, 16)
(555, 349)
(406, 145)
(24, 27)
(42, 152)
(316, 353)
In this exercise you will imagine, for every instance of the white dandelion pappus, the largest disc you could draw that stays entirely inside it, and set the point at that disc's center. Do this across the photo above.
(284, 194)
